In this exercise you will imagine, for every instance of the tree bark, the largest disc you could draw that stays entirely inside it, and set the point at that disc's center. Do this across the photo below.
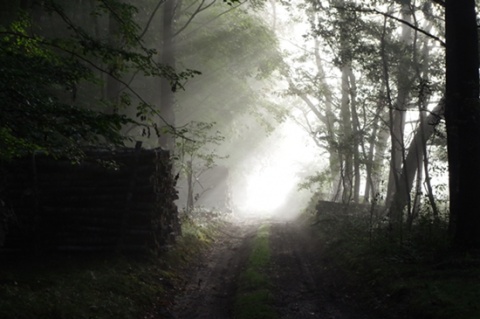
(113, 87)
(345, 142)
(462, 117)
(355, 137)
(167, 101)
(404, 84)
(413, 160)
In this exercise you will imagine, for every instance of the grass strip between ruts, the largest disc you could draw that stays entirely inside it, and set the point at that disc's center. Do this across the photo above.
(253, 299)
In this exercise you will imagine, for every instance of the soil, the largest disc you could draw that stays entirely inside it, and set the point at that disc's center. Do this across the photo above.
(300, 286)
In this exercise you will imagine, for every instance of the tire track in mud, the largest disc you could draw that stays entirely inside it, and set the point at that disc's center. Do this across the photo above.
(298, 287)
(296, 276)
(210, 290)
(295, 290)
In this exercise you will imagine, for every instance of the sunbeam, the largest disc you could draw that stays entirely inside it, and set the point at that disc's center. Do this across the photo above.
(272, 179)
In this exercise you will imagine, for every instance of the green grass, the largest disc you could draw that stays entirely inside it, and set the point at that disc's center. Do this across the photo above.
(70, 288)
(420, 277)
(97, 287)
(254, 298)
(254, 304)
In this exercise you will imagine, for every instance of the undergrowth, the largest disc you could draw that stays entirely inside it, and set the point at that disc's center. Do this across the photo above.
(254, 298)
(416, 276)
(97, 286)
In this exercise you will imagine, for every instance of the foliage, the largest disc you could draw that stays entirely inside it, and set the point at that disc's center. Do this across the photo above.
(43, 70)
(365, 67)
(242, 54)
(32, 117)
(420, 277)
(195, 155)
(196, 137)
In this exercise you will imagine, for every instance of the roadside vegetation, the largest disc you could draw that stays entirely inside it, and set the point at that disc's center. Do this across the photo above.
(417, 276)
(254, 297)
(98, 286)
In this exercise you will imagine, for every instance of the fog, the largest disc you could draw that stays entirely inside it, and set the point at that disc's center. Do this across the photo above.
(254, 99)
(271, 181)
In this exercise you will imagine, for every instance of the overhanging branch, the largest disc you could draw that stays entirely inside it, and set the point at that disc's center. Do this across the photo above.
(390, 16)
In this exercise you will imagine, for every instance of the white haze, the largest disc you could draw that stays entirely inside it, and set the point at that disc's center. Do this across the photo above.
(270, 188)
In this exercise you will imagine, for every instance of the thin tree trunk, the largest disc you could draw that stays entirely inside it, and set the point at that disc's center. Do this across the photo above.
(355, 136)
(375, 154)
(190, 186)
(166, 140)
(404, 85)
(417, 199)
(381, 150)
(113, 87)
(345, 145)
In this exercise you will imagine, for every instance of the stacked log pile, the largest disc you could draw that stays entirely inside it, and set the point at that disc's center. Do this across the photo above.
(118, 202)
(354, 209)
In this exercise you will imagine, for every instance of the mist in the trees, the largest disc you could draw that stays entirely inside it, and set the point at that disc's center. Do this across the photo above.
(233, 158)
(228, 87)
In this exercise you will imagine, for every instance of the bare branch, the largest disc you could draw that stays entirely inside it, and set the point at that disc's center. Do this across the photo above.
(199, 9)
(213, 19)
(154, 12)
(388, 15)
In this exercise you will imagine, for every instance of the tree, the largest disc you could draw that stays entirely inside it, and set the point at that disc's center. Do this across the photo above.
(167, 57)
(462, 117)
(32, 116)
(48, 101)
(197, 155)
(375, 92)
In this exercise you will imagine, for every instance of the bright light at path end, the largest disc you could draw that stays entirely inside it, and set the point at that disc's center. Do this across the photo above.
(269, 189)
(272, 178)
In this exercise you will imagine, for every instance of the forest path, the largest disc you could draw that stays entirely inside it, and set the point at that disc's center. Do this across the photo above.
(297, 282)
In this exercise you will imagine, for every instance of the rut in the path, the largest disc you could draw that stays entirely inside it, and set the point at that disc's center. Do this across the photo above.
(211, 289)
(294, 274)
(295, 288)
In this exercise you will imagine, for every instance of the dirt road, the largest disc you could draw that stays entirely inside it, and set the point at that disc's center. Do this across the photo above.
(294, 271)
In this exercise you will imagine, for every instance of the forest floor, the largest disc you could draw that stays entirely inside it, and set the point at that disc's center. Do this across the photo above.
(296, 279)
(329, 268)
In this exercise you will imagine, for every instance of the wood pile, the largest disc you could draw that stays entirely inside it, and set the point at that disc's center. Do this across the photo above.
(355, 209)
(118, 202)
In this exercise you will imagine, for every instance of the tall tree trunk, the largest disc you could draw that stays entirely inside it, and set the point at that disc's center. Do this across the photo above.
(190, 187)
(462, 117)
(329, 119)
(414, 159)
(113, 87)
(369, 184)
(355, 139)
(417, 198)
(377, 142)
(346, 136)
(167, 101)
(404, 84)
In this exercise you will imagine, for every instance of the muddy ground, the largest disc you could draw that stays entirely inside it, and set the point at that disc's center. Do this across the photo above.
(301, 288)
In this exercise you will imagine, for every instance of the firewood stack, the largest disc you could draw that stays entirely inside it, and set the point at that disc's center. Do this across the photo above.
(122, 201)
